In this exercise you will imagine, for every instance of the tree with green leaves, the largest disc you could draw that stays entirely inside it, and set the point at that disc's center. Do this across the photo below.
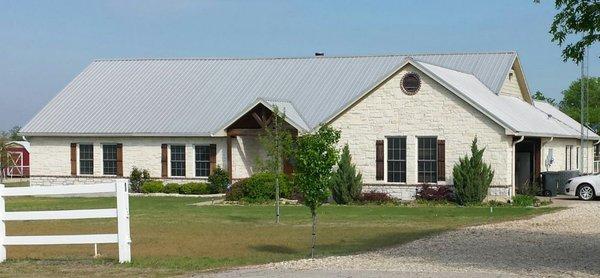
(316, 154)
(276, 140)
(577, 25)
(5, 160)
(472, 177)
(346, 183)
(571, 102)
(540, 96)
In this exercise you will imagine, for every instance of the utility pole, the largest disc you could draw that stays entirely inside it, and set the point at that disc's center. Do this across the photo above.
(582, 107)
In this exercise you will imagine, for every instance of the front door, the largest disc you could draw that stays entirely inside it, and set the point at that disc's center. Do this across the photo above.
(523, 171)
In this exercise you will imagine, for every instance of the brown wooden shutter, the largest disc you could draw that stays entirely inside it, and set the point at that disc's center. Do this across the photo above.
(379, 160)
(441, 160)
(213, 158)
(164, 160)
(119, 160)
(73, 159)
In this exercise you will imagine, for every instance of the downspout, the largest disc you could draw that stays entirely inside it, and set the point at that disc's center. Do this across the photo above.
(514, 155)
(543, 145)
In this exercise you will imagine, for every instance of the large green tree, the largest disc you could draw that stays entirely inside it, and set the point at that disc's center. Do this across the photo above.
(540, 96)
(571, 102)
(316, 154)
(575, 27)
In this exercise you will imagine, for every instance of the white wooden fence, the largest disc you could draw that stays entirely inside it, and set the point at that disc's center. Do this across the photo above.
(122, 237)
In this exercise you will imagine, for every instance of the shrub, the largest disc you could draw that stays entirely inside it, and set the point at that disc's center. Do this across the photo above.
(434, 193)
(260, 187)
(137, 178)
(376, 197)
(218, 181)
(152, 187)
(171, 188)
(345, 183)
(472, 177)
(194, 188)
(236, 191)
(524, 200)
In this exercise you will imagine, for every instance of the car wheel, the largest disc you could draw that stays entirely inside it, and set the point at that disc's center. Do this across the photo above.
(586, 192)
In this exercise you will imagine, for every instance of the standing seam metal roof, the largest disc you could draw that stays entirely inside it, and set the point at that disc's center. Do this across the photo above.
(197, 96)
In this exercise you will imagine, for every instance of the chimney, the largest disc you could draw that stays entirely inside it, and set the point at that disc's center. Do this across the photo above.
(319, 54)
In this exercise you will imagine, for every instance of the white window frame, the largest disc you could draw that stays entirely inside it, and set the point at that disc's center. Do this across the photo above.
(196, 161)
(170, 160)
(79, 158)
(102, 159)
(435, 138)
(386, 159)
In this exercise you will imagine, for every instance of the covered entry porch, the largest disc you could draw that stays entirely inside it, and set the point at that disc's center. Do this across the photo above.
(244, 148)
(527, 162)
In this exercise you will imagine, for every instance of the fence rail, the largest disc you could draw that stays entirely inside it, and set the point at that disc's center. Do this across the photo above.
(122, 237)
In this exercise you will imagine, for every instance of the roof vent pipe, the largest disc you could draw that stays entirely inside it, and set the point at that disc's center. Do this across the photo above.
(319, 54)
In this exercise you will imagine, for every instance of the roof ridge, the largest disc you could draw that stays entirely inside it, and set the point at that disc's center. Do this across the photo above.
(301, 57)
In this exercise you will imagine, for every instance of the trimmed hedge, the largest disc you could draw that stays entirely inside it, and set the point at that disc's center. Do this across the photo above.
(171, 188)
(197, 188)
(259, 187)
(152, 187)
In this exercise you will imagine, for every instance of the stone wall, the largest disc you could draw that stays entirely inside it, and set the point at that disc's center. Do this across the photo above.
(433, 111)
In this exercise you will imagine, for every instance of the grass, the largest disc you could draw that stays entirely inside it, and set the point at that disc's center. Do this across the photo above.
(172, 237)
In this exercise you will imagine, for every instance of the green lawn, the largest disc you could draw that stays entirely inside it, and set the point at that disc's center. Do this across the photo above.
(171, 237)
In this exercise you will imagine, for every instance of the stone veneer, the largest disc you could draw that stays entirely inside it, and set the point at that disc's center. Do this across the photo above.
(433, 111)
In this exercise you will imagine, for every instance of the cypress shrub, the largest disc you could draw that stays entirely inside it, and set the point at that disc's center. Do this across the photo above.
(472, 177)
(218, 181)
(346, 183)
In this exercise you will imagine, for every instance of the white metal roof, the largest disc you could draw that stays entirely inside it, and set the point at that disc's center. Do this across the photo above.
(198, 97)
(195, 97)
(518, 116)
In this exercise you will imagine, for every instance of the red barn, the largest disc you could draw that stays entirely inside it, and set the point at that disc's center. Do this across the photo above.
(18, 151)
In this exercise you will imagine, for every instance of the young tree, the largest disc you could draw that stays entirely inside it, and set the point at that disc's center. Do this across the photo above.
(276, 140)
(578, 21)
(5, 160)
(13, 134)
(346, 183)
(472, 177)
(316, 154)
(571, 102)
(540, 96)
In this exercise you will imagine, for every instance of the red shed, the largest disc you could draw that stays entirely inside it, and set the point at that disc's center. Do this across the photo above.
(18, 151)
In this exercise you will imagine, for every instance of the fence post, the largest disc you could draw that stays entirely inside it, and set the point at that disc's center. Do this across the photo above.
(2, 225)
(122, 188)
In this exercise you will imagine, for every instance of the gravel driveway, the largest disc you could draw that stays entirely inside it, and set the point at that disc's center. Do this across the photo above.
(565, 243)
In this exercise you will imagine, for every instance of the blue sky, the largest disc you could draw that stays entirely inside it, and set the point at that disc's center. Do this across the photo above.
(45, 44)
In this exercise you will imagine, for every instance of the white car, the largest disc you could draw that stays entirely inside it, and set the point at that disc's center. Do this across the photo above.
(584, 187)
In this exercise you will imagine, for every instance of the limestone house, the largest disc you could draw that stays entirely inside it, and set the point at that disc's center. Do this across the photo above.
(406, 118)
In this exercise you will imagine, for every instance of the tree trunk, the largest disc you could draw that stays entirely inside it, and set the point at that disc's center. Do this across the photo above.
(314, 232)
(277, 198)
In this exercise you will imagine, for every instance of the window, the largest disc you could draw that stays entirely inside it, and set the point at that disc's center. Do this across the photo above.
(109, 159)
(411, 83)
(86, 159)
(568, 157)
(597, 152)
(178, 161)
(427, 159)
(396, 159)
(577, 158)
(202, 161)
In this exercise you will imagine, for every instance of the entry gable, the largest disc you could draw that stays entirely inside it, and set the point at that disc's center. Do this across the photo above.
(515, 84)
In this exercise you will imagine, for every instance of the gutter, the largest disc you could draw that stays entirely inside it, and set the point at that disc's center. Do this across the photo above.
(514, 188)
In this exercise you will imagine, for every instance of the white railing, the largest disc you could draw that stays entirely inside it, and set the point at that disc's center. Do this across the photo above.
(122, 237)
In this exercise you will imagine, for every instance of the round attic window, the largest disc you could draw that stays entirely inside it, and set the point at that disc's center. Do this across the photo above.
(411, 83)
